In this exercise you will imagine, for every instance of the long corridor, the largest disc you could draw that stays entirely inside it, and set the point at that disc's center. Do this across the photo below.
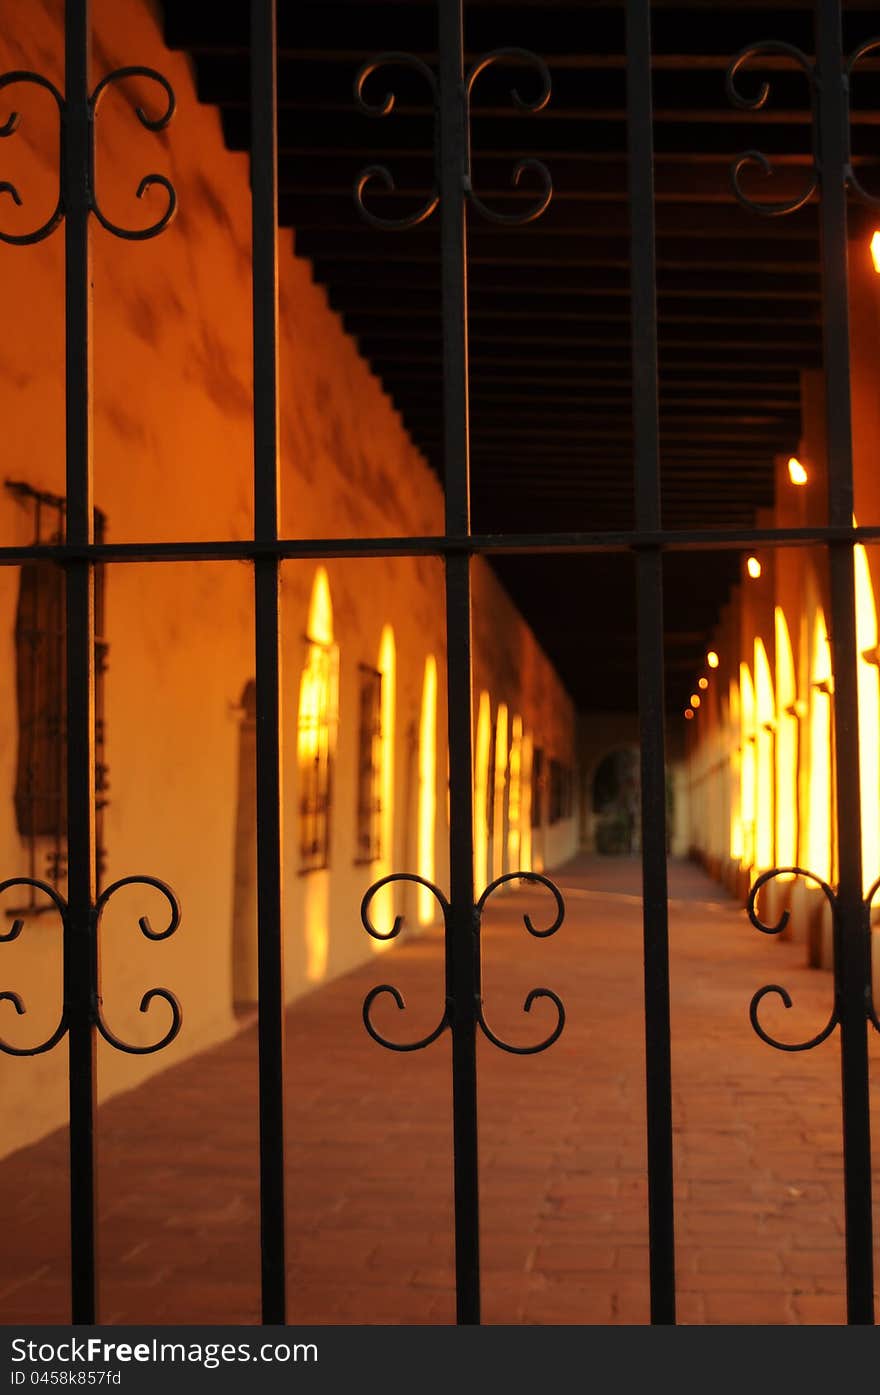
(759, 1209)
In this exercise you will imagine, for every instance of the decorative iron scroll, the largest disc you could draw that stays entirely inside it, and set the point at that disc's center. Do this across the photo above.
(96, 1016)
(387, 104)
(777, 989)
(155, 123)
(448, 1012)
(534, 166)
(756, 101)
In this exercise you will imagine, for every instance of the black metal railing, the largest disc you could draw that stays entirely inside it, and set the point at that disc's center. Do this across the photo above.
(463, 1012)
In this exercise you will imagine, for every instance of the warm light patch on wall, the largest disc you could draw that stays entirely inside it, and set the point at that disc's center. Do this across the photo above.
(525, 836)
(481, 792)
(712, 659)
(786, 746)
(514, 798)
(818, 857)
(753, 567)
(703, 684)
(316, 741)
(384, 901)
(875, 250)
(796, 472)
(736, 833)
(747, 765)
(695, 699)
(765, 722)
(499, 791)
(427, 815)
(869, 715)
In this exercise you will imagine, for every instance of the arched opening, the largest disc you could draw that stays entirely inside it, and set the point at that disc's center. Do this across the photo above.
(765, 734)
(499, 830)
(514, 796)
(481, 792)
(786, 746)
(316, 750)
(819, 810)
(869, 716)
(615, 802)
(525, 836)
(385, 899)
(735, 780)
(747, 765)
(427, 811)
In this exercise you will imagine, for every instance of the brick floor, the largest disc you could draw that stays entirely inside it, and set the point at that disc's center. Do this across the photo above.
(564, 1229)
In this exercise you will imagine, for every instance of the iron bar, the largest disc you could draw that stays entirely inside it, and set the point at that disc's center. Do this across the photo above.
(81, 953)
(462, 939)
(851, 922)
(475, 544)
(649, 575)
(270, 970)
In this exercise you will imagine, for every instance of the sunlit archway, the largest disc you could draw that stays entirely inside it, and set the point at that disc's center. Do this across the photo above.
(786, 746)
(427, 811)
(316, 749)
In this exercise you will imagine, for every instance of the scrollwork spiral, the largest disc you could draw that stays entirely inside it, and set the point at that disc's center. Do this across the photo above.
(388, 988)
(863, 51)
(756, 102)
(6, 187)
(155, 123)
(163, 994)
(775, 988)
(539, 879)
(524, 56)
(384, 108)
(10, 997)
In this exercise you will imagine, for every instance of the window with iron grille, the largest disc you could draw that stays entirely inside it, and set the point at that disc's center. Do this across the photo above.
(369, 786)
(41, 690)
(316, 740)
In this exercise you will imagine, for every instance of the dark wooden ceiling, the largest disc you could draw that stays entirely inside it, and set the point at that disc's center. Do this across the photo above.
(738, 294)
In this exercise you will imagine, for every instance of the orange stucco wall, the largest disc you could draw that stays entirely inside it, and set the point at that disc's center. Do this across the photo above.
(173, 460)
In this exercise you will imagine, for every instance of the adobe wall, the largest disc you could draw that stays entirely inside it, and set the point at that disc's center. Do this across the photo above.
(173, 460)
(796, 580)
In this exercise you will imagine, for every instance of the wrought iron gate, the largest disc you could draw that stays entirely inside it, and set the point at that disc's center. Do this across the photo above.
(79, 555)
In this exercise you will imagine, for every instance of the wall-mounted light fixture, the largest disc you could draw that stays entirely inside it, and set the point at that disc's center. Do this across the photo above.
(753, 567)
(712, 659)
(703, 683)
(689, 714)
(695, 699)
(796, 472)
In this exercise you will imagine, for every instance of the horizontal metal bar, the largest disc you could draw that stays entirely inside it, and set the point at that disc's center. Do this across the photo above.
(305, 549)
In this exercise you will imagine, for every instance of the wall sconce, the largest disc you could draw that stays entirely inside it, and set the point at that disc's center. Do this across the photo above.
(703, 683)
(712, 659)
(689, 714)
(695, 699)
(796, 472)
(753, 567)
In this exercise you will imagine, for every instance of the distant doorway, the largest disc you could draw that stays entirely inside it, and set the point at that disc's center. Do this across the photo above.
(616, 804)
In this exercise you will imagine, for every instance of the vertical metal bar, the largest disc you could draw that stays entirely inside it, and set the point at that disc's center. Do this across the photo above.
(649, 572)
(462, 946)
(852, 929)
(80, 958)
(270, 964)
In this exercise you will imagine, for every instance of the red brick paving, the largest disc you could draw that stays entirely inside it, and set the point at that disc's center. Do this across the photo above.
(564, 1228)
